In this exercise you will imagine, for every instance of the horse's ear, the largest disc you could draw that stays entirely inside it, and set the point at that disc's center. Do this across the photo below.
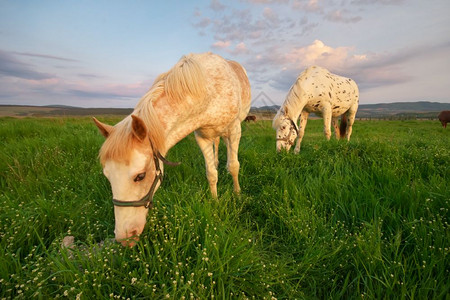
(285, 110)
(105, 129)
(139, 128)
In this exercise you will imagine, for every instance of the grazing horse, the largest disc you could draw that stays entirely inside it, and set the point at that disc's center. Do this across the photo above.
(444, 117)
(317, 91)
(202, 93)
(250, 118)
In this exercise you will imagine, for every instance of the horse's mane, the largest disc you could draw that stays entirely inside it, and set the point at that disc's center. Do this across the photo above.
(290, 106)
(292, 98)
(185, 79)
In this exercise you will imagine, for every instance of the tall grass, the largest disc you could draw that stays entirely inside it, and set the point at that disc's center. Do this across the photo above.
(364, 219)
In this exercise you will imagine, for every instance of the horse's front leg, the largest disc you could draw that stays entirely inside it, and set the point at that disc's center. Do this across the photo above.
(326, 112)
(301, 130)
(207, 147)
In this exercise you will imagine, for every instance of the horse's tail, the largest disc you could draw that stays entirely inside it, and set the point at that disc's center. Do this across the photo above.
(343, 126)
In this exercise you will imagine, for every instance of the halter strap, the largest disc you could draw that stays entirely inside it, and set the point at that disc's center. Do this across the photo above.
(147, 200)
(287, 138)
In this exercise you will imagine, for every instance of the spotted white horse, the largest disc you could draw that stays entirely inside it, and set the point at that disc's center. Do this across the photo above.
(317, 91)
(202, 93)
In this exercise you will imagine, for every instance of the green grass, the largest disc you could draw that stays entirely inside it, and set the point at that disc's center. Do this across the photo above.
(364, 219)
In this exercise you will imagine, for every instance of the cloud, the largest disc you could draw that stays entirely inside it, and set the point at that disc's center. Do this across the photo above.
(216, 5)
(10, 66)
(308, 5)
(107, 91)
(329, 10)
(241, 48)
(373, 2)
(368, 70)
(266, 36)
(271, 15)
(46, 56)
(19, 82)
(239, 25)
(298, 58)
(316, 53)
(341, 16)
(94, 94)
(226, 46)
(221, 44)
(269, 22)
(268, 1)
(203, 23)
(339, 12)
(89, 76)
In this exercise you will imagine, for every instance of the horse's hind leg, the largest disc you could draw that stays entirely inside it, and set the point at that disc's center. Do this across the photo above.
(232, 141)
(207, 147)
(351, 120)
(301, 130)
(216, 151)
(334, 122)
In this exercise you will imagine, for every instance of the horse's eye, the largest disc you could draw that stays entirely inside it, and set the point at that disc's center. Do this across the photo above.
(139, 177)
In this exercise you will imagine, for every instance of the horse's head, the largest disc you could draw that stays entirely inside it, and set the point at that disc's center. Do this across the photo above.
(134, 172)
(286, 129)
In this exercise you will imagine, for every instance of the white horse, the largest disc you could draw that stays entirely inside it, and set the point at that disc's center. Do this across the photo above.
(316, 91)
(202, 93)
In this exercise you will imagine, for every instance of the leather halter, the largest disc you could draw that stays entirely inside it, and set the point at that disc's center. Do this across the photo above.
(288, 137)
(147, 200)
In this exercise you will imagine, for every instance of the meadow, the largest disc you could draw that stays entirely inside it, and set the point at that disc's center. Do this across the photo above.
(365, 219)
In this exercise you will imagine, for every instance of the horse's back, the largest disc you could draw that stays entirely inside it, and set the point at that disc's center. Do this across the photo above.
(228, 94)
(444, 116)
(320, 88)
(226, 81)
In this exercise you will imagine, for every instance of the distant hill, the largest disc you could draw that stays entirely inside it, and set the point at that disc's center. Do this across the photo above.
(397, 110)
(421, 109)
(58, 110)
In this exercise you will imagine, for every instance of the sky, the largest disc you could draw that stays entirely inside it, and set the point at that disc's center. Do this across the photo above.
(107, 53)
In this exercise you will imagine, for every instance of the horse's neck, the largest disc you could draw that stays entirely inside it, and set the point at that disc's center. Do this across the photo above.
(294, 109)
(294, 102)
(177, 123)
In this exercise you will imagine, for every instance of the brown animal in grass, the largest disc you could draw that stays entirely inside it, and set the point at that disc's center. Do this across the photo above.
(250, 118)
(444, 117)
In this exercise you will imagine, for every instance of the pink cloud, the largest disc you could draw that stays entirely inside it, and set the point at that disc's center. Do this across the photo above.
(270, 15)
(308, 5)
(342, 16)
(240, 48)
(268, 1)
(216, 5)
(221, 44)
(368, 69)
(319, 54)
